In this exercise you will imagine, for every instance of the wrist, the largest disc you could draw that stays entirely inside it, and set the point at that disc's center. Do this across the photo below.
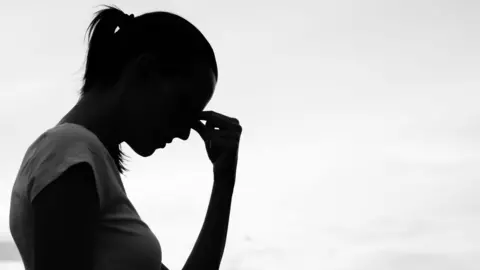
(225, 171)
(224, 180)
(226, 164)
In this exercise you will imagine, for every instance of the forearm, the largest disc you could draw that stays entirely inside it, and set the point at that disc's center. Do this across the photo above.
(208, 250)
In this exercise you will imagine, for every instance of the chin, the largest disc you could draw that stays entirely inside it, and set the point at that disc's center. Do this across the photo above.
(146, 150)
(143, 150)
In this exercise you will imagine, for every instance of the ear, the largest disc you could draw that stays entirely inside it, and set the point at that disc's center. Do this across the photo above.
(139, 67)
(145, 64)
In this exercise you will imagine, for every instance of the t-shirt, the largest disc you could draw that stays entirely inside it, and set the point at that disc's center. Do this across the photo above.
(122, 239)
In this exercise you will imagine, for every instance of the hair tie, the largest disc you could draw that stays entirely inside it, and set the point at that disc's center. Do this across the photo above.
(126, 20)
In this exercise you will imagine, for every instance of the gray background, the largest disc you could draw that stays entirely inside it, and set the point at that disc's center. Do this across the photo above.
(361, 128)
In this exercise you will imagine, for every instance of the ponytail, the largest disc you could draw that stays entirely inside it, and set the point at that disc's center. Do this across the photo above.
(100, 63)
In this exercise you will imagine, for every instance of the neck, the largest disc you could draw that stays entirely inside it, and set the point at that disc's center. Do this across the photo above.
(96, 114)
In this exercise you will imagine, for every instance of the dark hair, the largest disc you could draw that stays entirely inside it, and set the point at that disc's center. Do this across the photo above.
(174, 43)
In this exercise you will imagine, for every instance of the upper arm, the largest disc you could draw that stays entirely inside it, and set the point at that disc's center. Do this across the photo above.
(65, 213)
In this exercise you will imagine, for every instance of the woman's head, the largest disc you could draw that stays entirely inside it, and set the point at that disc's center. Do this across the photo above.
(160, 70)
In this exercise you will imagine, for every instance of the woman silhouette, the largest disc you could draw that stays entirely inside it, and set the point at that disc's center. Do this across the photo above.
(145, 85)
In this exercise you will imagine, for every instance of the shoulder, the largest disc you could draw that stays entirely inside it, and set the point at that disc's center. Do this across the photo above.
(67, 141)
(68, 134)
(58, 150)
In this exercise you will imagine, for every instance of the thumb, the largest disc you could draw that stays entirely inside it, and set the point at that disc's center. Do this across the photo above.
(201, 129)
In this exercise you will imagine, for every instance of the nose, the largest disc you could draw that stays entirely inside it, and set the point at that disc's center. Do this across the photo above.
(184, 134)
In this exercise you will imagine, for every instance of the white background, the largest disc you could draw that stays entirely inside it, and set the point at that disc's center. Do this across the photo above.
(361, 138)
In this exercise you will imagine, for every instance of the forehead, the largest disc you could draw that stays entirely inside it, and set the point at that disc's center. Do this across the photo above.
(195, 90)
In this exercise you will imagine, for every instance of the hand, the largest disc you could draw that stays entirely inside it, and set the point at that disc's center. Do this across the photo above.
(221, 135)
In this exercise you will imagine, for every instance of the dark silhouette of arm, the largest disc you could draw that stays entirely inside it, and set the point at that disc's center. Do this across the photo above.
(208, 250)
(65, 214)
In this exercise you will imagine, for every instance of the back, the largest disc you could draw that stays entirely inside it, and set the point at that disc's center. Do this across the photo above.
(121, 239)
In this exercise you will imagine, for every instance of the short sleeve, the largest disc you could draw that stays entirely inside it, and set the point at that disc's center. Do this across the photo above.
(55, 158)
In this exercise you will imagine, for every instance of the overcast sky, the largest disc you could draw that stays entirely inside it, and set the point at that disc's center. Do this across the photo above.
(361, 141)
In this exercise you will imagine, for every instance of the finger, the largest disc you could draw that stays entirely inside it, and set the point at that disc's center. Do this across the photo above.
(206, 115)
(211, 115)
(233, 129)
(221, 121)
(224, 134)
(230, 127)
(200, 128)
(210, 125)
